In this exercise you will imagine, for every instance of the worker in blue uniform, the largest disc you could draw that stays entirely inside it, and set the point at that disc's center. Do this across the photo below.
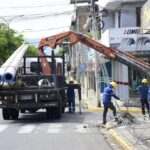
(71, 95)
(149, 95)
(149, 101)
(107, 101)
(143, 90)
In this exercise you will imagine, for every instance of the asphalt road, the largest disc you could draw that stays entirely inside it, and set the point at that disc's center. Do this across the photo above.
(35, 132)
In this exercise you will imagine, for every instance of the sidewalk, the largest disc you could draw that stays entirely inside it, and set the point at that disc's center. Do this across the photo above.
(130, 134)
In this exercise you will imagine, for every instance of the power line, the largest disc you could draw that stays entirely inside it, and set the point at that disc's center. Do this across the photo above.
(28, 30)
(34, 6)
(40, 14)
(36, 16)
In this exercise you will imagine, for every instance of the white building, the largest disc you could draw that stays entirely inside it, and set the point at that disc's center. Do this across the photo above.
(122, 22)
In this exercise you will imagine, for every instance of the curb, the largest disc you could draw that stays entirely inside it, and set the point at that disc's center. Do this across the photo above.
(123, 143)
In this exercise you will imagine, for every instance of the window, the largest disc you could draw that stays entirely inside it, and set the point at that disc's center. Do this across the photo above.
(119, 19)
(138, 16)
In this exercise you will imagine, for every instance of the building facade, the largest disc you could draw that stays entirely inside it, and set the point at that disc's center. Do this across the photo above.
(122, 29)
(84, 55)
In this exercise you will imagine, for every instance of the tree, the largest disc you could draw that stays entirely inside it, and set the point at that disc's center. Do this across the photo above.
(9, 42)
(32, 51)
(63, 47)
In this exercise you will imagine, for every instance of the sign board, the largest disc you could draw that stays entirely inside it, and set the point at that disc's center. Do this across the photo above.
(128, 39)
(91, 54)
(117, 35)
(89, 64)
(82, 68)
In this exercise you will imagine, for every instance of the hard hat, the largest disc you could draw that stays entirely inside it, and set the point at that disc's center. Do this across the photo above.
(144, 81)
(71, 79)
(114, 84)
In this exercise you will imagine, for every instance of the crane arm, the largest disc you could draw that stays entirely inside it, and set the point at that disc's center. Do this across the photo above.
(111, 53)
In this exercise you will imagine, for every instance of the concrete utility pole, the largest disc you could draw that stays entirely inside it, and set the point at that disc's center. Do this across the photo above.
(94, 31)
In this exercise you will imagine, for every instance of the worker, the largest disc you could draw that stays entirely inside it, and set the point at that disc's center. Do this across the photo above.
(149, 100)
(143, 90)
(71, 95)
(107, 95)
(149, 96)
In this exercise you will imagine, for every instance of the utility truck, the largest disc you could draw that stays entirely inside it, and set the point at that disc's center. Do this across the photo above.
(33, 90)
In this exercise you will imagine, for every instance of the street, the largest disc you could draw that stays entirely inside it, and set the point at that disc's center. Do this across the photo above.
(35, 132)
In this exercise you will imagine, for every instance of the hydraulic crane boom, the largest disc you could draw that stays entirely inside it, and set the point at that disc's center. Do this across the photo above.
(111, 53)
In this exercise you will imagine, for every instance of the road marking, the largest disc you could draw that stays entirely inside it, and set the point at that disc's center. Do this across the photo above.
(3, 127)
(54, 128)
(26, 129)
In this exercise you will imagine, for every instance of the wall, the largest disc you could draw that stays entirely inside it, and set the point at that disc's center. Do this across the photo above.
(108, 21)
(145, 18)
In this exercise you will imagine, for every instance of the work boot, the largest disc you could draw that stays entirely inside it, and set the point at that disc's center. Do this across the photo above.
(116, 119)
(104, 122)
(69, 111)
(119, 121)
(144, 117)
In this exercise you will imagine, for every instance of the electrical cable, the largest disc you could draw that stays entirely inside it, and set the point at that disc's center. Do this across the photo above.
(39, 15)
(44, 29)
(34, 6)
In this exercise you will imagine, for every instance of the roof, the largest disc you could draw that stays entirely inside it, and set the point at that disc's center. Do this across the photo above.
(80, 1)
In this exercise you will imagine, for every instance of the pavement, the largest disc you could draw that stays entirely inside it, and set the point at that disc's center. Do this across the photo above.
(133, 131)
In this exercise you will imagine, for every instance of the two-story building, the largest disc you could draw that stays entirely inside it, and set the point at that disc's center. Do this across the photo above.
(122, 29)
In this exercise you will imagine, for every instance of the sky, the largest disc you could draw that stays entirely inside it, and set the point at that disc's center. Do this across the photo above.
(37, 18)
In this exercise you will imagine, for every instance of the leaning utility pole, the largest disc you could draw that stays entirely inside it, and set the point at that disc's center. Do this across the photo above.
(94, 31)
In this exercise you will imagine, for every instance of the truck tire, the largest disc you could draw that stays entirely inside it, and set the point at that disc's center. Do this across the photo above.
(23, 111)
(50, 113)
(58, 112)
(6, 113)
(33, 110)
(14, 114)
(63, 109)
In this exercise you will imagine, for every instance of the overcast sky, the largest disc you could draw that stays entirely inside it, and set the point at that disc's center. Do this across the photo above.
(28, 16)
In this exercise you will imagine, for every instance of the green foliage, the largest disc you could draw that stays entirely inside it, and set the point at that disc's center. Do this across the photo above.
(64, 48)
(9, 42)
(89, 34)
(32, 51)
(61, 50)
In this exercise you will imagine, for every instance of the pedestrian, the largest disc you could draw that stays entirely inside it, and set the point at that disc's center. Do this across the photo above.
(71, 95)
(107, 101)
(143, 90)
